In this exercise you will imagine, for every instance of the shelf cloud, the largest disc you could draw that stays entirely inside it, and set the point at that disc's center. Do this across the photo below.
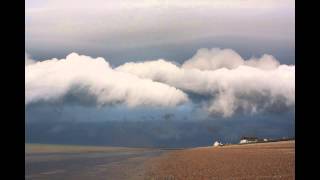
(93, 80)
(226, 83)
(231, 83)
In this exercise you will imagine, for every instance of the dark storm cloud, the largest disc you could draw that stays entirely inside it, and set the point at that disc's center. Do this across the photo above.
(148, 129)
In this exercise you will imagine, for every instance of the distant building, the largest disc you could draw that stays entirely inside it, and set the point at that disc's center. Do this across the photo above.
(216, 144)
(245, 140)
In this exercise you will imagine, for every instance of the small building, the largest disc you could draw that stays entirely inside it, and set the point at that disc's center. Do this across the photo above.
(245, 140)
(216, 144)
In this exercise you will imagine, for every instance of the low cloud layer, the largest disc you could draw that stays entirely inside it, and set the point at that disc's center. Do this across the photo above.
(81, 76)
(227, 83)
(231, 83)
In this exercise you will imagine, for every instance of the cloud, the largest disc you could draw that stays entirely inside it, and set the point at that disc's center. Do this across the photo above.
(217, 81)
(104, 25)
(216, 58)
(92, 79)
(232, 84)
(161, 132)
(28, 60)
(265, 62)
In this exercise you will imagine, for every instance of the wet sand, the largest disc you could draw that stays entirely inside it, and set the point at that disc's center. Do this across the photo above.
(82, 163)
(274, 160)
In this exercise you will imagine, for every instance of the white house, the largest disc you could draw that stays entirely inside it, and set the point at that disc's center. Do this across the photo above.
(216, 144)
(245, 140)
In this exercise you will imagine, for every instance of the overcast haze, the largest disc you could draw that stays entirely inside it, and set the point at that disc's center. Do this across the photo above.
(159, 73)
(139, 30)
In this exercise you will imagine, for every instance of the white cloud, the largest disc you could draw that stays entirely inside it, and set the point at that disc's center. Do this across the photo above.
(216, 58)
(233, 84)
(265, 62)
(227, 83)
(51, 80)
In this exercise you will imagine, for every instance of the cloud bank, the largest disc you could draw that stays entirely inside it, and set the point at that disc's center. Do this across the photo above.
(81, 76)
(226, 83)
(230, 83)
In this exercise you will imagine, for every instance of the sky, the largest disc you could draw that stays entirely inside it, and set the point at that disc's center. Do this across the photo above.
(159, 73)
